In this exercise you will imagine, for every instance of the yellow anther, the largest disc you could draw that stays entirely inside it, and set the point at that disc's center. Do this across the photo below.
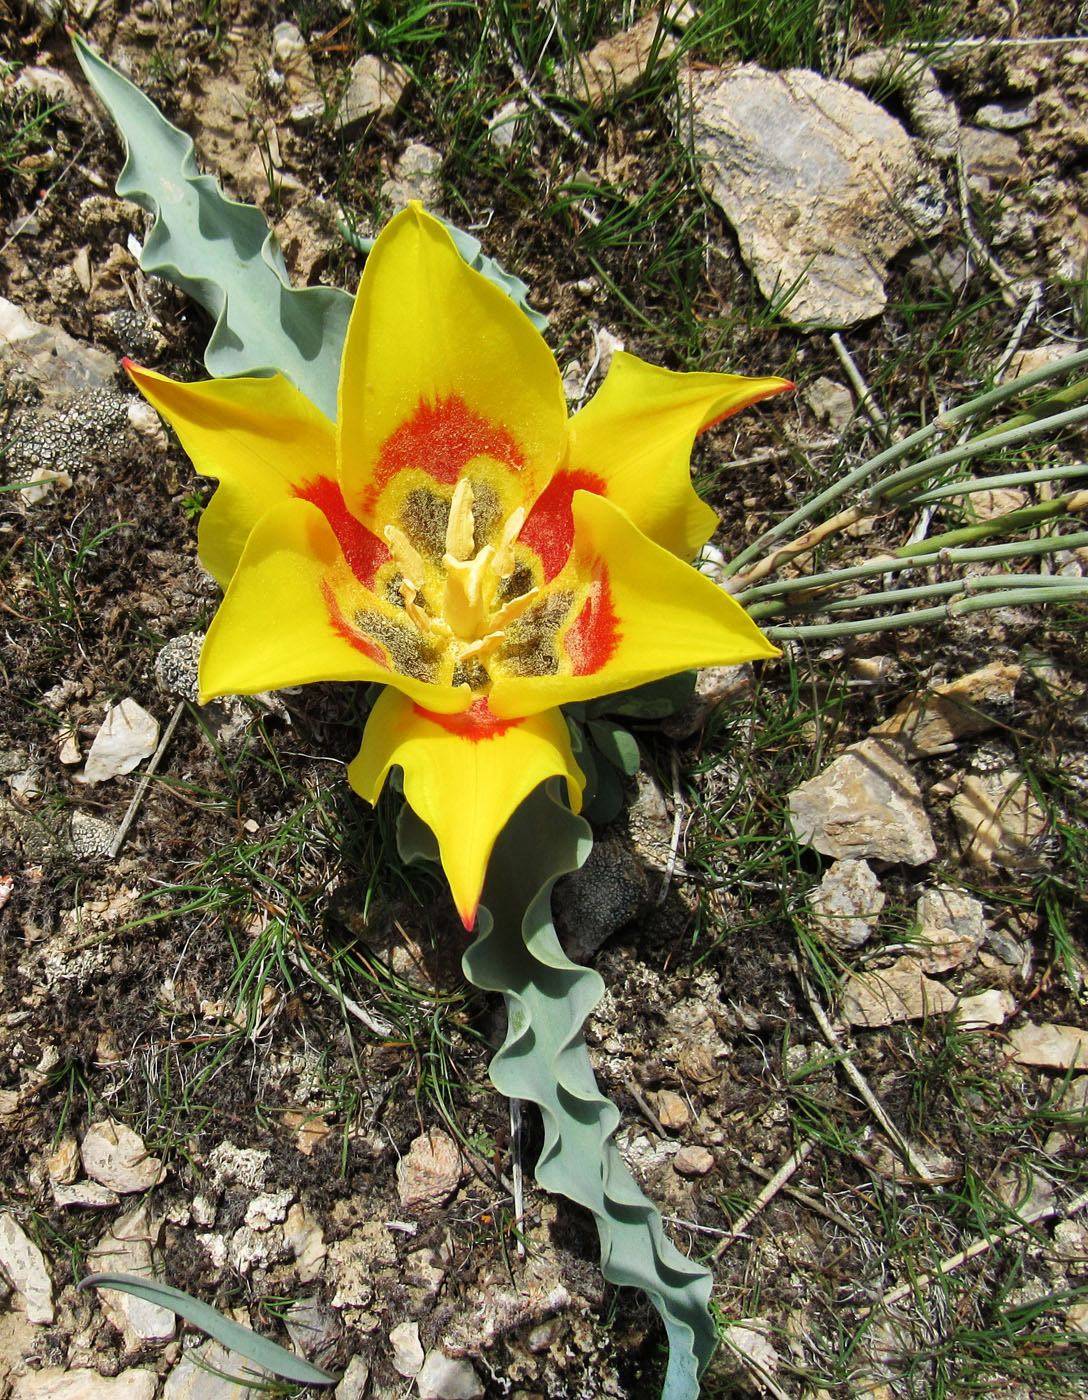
(408, 558)
(504, 555)
(461, 529)
(513, 609)
(423, 621)
(481, 650)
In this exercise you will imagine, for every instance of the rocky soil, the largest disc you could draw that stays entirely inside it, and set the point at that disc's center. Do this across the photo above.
(236, 1050)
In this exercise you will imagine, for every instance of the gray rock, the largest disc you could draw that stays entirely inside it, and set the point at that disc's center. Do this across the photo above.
(505, 125)
(832, 403)
(52, 1383)
(126, 736)
(177, 664)
(443, 1377)
(48, 357)
(292, 59)
(23, 1265)
(1011, 115)
(847, 902)
(354, 1382)
(866, 805)
(933, 116)
(989, 158)
(415, 176)
(897, 993)
(407, 1357)
(116, 1157)
(126, 1248)
(814, 178)
(374, 89)
(206, 1372)
(952, 928)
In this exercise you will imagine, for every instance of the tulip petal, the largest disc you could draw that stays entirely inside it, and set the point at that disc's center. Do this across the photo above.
(645, 615)
(440, 367)
(295, 612)
(636, 434)
(464, 775)
(261, 439)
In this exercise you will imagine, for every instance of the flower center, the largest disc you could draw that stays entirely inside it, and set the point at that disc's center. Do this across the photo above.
(459, 603)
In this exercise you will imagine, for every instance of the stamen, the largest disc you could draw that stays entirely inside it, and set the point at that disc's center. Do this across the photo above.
(422, 620)
(481, 650)
(461, 530)
(408, 558)
(512, 610)
(505, 562)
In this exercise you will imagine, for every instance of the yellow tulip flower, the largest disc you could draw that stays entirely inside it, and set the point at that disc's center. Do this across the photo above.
(456, 537)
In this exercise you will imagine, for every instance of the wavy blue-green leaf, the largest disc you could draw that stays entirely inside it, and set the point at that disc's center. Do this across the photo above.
(233, 1335)
(221, 253)
(544, 1060)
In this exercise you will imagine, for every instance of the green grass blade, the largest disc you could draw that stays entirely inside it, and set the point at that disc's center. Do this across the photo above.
(221, 253)
(232, 1334)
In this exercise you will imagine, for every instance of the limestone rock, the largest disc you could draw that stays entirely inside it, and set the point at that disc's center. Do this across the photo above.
(49, 357)
(85, 1194)
(817, 181)
(116, 1156)
(952, 928)
(23, 1265)
(353, 1385)
(415, 177)
(990, 1008)
(617, 63)
(205, 1373)
(847, 902)
(126, 737)
(934, 723)
(52, 1383)
(292, 58)
(125, 1248)
(443, 1377)
(999, 820)
(1052, 1046)
(407, 1357)
(865, 805)
(429, 1172)
(374, 89)
(901, 992)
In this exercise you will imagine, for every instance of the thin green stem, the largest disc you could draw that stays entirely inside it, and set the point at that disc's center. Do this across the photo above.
(832, 578)
(1026, 583)
(970, 485)
(940, 425)
(1002, 524)
(894, 484)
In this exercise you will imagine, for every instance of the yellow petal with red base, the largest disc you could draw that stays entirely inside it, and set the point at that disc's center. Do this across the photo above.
(642, 615)
(261, 439)
(296, 612)
(440, 367)
(464, 775)
(635, 436)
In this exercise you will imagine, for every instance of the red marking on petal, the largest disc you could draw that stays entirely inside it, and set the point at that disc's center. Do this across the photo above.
(441, 439)
(364, 551)
(594, 634)
(474, 724)
(549, 530)
(340, 625)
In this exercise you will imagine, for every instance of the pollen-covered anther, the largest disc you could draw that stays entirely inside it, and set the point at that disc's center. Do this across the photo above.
(504, 561)
(461, 527)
